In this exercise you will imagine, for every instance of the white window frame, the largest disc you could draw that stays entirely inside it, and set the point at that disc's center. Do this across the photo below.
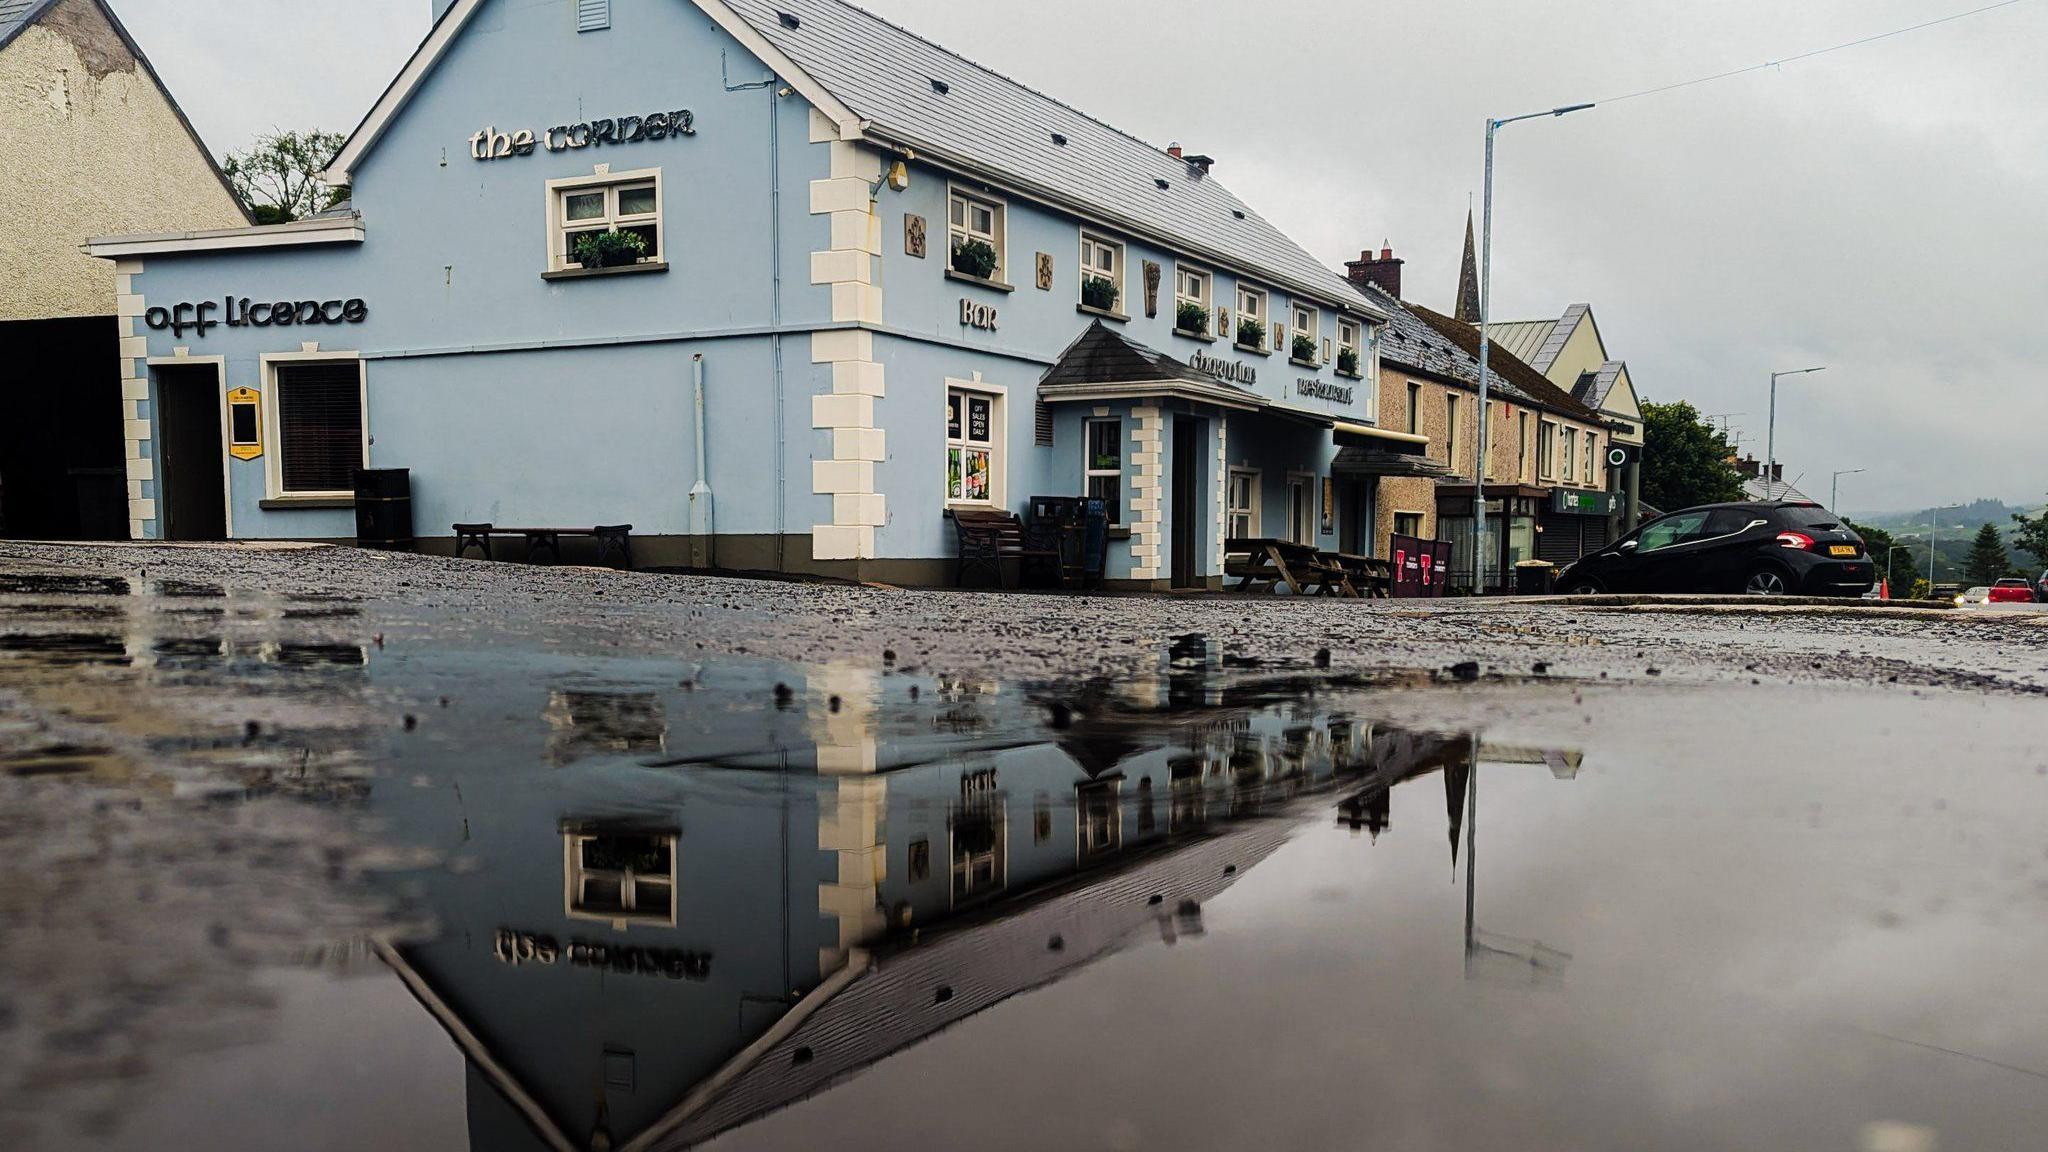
(1262, 312)
(273, 455)
(1301, 497)
(1546, 449)
(1571, 455)
(1232, 510)
(1451, 430)
(1089, 471)
(1097, 242)
(1205, 281)
(998, 430)
(574, 874)
(1351, 334)
(996, 236)
(1295, 314)
(559, 225)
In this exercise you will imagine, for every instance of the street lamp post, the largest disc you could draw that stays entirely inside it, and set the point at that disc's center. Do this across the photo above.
(1933, 536)
(1771, 430)
(1486, 302)
(1835, 487)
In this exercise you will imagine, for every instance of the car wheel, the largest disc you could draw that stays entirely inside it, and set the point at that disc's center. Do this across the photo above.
(1765, 581)
(1582, 588)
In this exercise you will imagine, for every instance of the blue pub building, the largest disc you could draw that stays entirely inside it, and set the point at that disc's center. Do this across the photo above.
(780, 284)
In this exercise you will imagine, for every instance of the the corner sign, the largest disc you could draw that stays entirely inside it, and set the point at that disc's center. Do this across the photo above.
(491, 144)
(1235, 371)
(1323, 389)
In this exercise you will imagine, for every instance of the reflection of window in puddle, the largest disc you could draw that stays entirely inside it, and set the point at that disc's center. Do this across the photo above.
(1041, 820)
(980, 835)
(624, 877)
(1187, 806)
(588, 723)
(1098, 818)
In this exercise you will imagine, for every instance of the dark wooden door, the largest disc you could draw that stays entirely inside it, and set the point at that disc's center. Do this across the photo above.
(1187, 499)
(193, 492)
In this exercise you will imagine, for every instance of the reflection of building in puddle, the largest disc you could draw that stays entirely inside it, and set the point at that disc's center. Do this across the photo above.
(978, 833)
(593, 723)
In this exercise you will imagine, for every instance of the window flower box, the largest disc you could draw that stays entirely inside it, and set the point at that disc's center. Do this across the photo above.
(1251, 334)
(1303, 351)
(975, 258)
(1191, 319)
(1100, 293)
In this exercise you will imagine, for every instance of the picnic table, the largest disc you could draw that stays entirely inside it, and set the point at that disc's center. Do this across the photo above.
(1265, 563)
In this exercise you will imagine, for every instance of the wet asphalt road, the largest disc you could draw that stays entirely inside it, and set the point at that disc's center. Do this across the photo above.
(275, 826)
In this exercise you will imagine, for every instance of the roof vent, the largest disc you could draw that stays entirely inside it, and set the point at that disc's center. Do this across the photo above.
(1200, 164)
(1161, 181)
(1059, 139)
(940, 86)
(1237, 212)
(788, 21)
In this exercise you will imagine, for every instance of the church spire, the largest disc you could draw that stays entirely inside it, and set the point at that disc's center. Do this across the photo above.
(1468, 278)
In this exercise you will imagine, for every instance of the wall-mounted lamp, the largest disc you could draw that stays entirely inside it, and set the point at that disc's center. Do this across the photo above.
(897, 178)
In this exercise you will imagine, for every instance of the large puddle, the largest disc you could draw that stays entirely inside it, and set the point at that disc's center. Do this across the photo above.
(273, 880)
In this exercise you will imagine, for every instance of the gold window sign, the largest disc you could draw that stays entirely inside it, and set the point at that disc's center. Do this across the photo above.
(245, 423)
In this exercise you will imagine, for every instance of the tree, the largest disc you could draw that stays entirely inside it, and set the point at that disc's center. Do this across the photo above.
(1880, 544)
(1686, 461)
(278, 177)
(2030, 535)
(1988, 560)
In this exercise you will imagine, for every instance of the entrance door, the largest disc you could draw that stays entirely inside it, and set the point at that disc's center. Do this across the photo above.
(192, 486)
(1356, 532)
(1188, 435)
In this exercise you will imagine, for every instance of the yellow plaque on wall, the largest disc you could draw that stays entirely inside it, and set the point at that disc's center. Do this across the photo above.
(245, 423)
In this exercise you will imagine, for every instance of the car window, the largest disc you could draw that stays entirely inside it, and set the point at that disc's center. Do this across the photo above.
(1727, 521)
(1671, 530)
(1804, 516)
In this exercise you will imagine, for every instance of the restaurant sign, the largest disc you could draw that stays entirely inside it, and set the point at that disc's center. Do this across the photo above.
(1235, 371)
(1323, 389)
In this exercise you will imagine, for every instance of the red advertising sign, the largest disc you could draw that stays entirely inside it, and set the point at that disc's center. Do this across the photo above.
(1419, 566)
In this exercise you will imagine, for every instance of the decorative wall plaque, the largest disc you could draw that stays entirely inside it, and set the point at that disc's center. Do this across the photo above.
(1045, 271)
(913, 235)
(1222, 321)
(1151, 288)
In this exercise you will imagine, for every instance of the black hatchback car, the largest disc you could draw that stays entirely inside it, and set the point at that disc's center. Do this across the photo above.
(1765, 549)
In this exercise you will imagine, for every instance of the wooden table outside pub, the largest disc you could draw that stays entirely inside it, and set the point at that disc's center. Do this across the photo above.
(1263, 563)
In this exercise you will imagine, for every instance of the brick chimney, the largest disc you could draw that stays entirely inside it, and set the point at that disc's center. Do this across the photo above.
(1383, 270)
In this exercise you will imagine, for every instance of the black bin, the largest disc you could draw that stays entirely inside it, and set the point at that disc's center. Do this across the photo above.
(384, 509)
(1535, 578)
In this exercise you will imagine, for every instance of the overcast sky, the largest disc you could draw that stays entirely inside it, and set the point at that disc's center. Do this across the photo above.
(1878, 210)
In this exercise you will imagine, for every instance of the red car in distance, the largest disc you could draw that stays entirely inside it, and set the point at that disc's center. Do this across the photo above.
(2012, 590)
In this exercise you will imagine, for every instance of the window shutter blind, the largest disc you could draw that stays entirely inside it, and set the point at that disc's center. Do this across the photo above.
(320, 425)
(593, 15)
(1042, 418)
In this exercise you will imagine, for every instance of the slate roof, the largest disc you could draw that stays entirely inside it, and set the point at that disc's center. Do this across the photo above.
(1101, 356)
(1422, 341)
(1593, 392)
(1560, 333)
(989, 122)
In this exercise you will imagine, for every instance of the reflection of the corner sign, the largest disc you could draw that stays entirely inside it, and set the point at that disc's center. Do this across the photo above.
(518, 949)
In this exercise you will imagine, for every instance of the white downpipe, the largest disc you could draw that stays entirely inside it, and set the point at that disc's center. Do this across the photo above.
(700, 492)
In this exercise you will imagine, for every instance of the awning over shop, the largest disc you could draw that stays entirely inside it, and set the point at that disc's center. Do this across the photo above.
(1349, 435)
(1377, 461)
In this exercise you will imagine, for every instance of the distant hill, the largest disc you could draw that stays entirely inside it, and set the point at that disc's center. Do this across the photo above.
(1973, 514)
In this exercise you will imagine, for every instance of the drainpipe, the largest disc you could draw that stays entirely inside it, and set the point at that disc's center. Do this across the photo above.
(700, 492)
(775, 95)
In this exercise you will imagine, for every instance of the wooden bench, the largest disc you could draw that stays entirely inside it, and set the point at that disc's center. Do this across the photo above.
(1365, 576)
(987, 537)
(612, 540)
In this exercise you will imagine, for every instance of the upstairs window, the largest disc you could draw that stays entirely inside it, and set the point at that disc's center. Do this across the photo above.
(319, 406)
(1414, 409)
(1102, 261)
(1191, 288)
(1546, 450)
(585, 209)
(1251, 317)
(1571, 455)
(1304, 329)
(974, 236)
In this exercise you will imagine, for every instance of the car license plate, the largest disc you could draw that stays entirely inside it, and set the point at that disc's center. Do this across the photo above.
(1841, 549)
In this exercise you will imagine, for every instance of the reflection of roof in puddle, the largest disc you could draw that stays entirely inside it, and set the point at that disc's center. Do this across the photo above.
(899, 1002)
(587, 723)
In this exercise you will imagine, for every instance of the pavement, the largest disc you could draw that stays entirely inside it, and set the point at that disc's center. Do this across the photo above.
(1763, 874)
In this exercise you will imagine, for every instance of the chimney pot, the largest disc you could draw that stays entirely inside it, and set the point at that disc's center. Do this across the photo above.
(1383, 271)
(1173, 150)
(1386, 253)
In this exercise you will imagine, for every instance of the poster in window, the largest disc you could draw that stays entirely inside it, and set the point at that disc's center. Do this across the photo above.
(953, 473)
(977, 475)
(953, 416)
(978, 419)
